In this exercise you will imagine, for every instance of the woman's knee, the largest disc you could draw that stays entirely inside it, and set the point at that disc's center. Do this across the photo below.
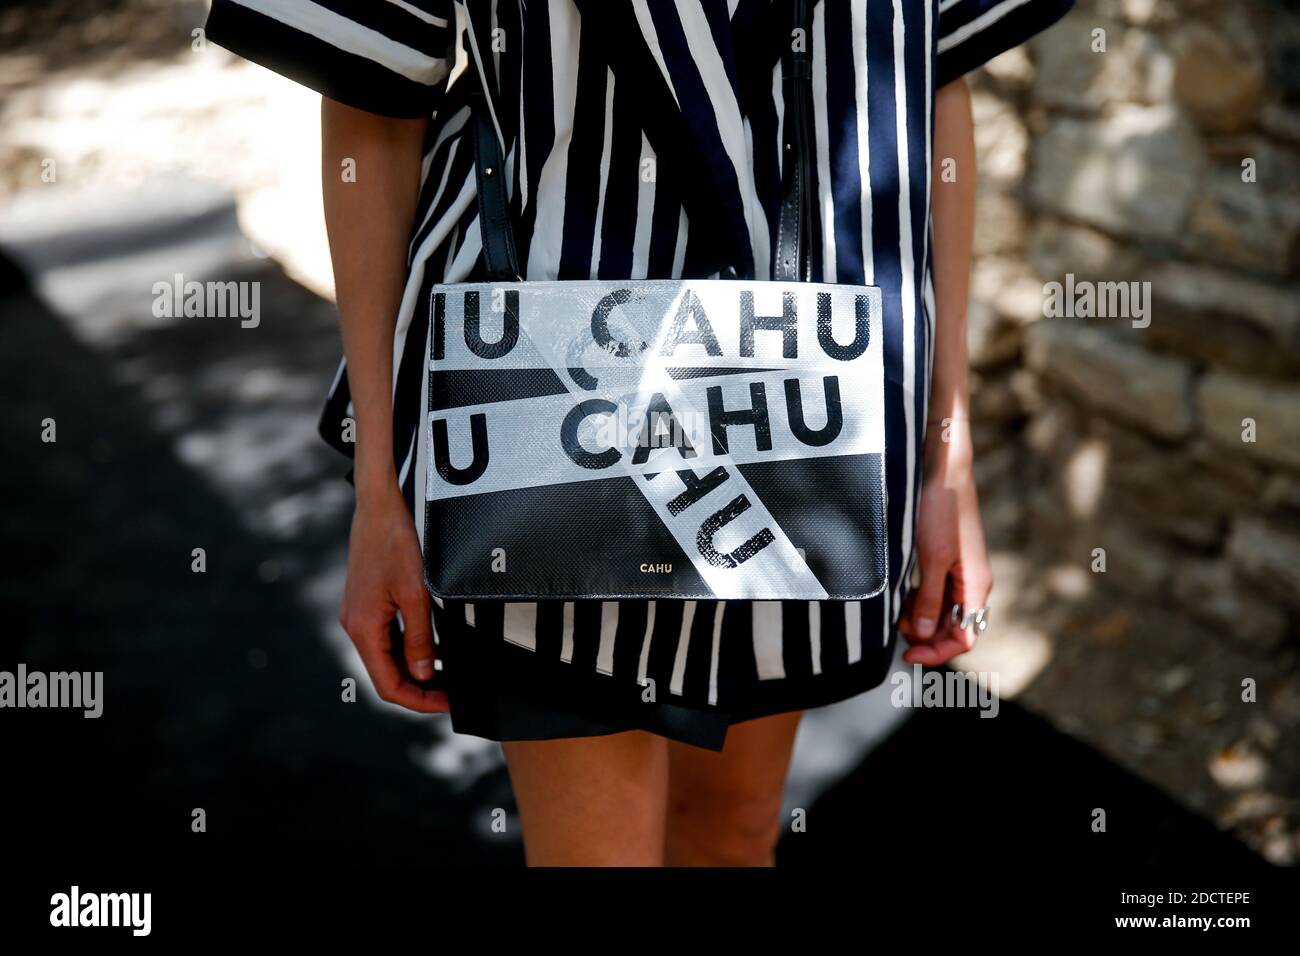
(736, 825)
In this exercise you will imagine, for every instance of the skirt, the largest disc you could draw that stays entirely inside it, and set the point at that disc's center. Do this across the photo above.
(501, 691)
(496, 691)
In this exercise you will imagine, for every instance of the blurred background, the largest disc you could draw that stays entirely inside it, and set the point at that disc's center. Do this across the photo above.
(1141, 486)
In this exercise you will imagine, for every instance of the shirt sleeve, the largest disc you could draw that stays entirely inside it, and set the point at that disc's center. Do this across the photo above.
(389, 57)
(972, 32)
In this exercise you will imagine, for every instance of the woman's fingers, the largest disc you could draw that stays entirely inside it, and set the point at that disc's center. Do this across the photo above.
(970, 584)
(392, 687)
(417, 635)
(954, 571)
(935, 652)
(373, 643)
(924, 619)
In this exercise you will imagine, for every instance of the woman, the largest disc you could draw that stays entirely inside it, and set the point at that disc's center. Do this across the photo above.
(643, 139)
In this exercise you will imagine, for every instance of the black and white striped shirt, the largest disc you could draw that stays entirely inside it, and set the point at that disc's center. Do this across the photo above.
(642, 140)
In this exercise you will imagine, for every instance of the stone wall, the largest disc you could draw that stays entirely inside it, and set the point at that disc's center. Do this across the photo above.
(1148, 141)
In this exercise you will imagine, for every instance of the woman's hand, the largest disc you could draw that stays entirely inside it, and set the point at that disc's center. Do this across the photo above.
(954, 564)
(385, 576)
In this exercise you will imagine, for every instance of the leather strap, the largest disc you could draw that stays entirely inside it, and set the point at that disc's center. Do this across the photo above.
(793, 227)
(500, 261)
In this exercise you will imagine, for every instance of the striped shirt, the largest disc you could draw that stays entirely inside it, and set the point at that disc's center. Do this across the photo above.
(642, 140)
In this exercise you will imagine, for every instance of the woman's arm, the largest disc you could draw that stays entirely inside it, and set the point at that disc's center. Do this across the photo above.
(368, 218)
(369, 221)
(950, 544)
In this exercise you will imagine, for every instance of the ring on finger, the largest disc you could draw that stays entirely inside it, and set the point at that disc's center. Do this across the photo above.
(964, 619)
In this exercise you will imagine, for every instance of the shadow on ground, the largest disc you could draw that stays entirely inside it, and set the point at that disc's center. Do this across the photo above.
(1005, 793)
(219, 694)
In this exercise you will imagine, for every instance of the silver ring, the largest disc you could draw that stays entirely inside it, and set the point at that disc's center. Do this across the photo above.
(963, 619)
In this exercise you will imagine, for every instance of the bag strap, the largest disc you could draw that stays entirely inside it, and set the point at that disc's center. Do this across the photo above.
(794, 228)
(794, 231)
(500, 260)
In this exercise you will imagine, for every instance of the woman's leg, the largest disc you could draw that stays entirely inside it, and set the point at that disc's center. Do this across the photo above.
(591, 801)
(724, 808)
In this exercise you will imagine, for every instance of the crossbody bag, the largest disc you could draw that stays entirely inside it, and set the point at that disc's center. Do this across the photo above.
(666, 438)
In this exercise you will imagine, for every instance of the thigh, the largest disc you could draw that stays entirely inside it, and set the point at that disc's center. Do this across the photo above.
(730, 799)
(755, 759)
(591, 801)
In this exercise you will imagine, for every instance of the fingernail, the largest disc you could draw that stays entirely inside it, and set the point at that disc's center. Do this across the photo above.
(925, 626)
(423, 670)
